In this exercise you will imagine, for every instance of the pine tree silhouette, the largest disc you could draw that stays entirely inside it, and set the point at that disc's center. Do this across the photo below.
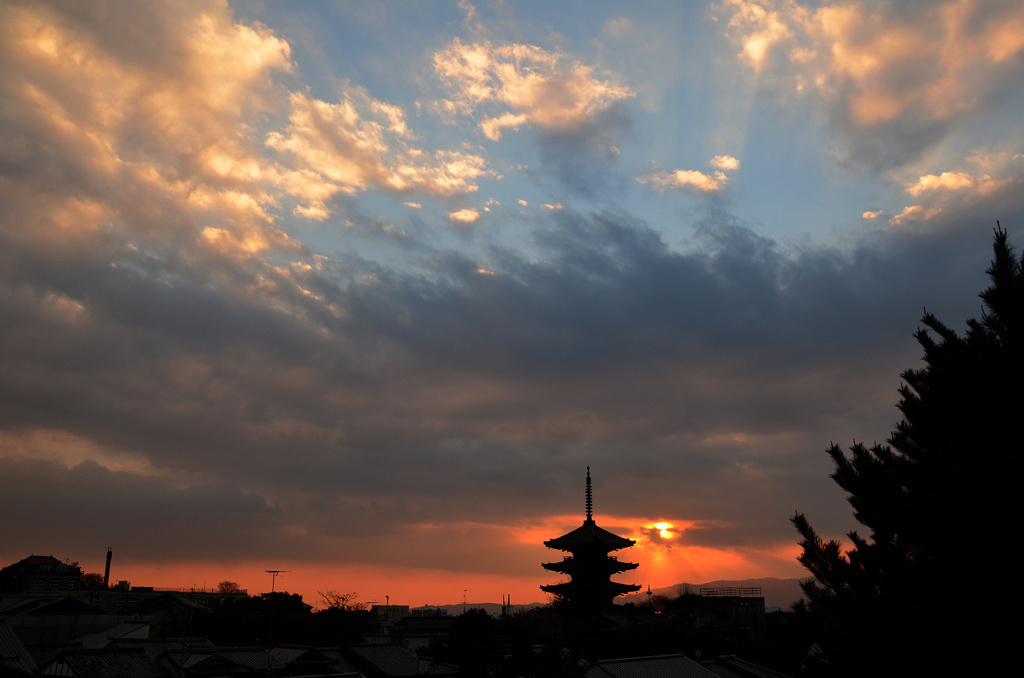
(940, 500)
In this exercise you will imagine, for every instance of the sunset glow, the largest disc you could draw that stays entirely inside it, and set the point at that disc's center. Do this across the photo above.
(662, 563)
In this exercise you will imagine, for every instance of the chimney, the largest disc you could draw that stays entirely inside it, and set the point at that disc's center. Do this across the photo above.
(106, 572)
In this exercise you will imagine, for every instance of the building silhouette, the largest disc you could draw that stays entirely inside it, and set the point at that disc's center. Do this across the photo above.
(40, 575)
(589, 567)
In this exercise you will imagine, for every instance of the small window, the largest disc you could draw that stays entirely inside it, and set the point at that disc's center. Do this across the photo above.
(54, 583)
(37, 583)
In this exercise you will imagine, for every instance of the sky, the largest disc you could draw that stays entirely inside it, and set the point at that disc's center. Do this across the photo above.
(358, 291)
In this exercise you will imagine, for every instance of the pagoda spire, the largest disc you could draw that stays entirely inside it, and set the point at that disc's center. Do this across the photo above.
(589, 567)
(590, 498)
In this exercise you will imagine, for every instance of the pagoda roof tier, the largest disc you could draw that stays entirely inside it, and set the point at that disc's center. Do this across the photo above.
(610, 588)
(589, 535)
(572, 566)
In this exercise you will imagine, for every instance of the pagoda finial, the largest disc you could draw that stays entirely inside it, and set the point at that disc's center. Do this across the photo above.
(590, 498)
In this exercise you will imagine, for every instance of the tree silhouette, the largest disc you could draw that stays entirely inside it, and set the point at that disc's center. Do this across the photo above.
(91, 581)
(939, 500)
(347, 601)
(228, 587)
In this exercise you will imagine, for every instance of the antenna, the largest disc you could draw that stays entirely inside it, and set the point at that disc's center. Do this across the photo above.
(590, 498)
(273, 576)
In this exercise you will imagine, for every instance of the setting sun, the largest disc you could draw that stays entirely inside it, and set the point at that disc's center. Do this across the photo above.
(664, 530)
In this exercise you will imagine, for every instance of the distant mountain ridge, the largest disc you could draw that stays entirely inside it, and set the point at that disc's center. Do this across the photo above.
(777, 592)
(780, 593)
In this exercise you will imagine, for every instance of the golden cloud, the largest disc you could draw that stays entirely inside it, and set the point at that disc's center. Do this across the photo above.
(759, 26)
(182, 123)
(541, 88)
(361, 143)
(464, 216)
(164, 122)
(914, 213)
(725, 162)
(877, 62)
(687, 181)
(952, 181)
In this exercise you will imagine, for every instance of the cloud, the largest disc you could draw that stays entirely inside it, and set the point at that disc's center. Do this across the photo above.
(759, 26)
(685, 181)
(896, 79)
(89, 503)
(361, 143)
(725, 162)
(182, 122)
(914, 213)
(950, 189)
(945, 181)
(469, 10)
(953, 181)
(464, 216)
(147, 137)
(543, 89)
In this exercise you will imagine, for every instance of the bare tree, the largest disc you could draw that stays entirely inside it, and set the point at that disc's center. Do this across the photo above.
(338, 600)
(227, 586)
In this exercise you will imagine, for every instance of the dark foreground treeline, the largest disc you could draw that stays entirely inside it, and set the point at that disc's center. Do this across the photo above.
(544, 641)
(271, 619)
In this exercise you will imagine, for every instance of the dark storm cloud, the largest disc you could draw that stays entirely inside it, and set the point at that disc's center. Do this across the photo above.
(89, 506)
(611, 292)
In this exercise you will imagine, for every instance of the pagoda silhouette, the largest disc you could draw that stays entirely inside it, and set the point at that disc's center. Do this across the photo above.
(590, 568)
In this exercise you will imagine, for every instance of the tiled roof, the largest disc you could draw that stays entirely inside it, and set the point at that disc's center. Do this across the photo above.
(665, 666)
(729, 666)
(154, 647)
(123, 630)
(294, 656)
(130, 663)
(19, 605)
(392, 660)
(36, 560)
(13, 655)
(252, 658)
